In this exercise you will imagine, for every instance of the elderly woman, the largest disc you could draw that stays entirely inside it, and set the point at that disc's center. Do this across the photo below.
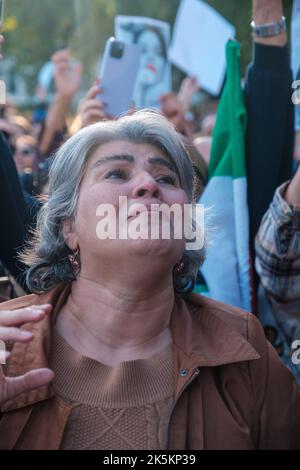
(113, 351)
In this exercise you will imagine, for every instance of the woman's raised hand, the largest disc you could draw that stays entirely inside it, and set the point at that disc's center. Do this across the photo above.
(91, 108)
(11, 331)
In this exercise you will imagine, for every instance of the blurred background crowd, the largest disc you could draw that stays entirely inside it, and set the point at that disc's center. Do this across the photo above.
(51, 69)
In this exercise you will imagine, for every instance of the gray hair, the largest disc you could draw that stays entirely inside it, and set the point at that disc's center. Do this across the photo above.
(47, 254)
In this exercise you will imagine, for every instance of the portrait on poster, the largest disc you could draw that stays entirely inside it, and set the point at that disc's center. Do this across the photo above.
(154, 76)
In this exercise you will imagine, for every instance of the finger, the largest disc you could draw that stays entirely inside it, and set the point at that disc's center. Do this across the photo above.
(93, 117)
(4, 356)
(90, 109)
(24, 315)
(29, 381)
(17, 318)
(93, 112)
(62, 54)
(169, 109)
(97, 81)
(166, 96)
(92, 104)
(63, 67)
(15, 334)
(7, 355)
(93, 92)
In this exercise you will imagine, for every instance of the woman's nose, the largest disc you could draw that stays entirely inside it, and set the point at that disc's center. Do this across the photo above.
(146, 186)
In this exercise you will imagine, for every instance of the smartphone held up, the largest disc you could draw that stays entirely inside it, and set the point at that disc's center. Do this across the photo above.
(118, 75)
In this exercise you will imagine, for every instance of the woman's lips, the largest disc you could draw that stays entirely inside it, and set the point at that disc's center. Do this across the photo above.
(137, 209)
(151, 67)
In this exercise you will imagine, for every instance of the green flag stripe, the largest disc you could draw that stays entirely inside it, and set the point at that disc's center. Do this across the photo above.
(227, 154)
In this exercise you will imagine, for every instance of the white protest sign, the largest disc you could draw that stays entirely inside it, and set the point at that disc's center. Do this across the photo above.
(199, 40)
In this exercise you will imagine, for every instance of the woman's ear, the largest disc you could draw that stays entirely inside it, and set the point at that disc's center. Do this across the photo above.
(69, 234)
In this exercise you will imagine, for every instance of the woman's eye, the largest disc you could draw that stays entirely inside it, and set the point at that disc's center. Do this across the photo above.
(167, 179)
(116, 174)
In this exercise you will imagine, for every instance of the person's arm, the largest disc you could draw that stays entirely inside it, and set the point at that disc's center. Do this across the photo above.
(17, 212)
(278, 244)
(67, 82)
(278, 259)
(270, 129)
(268, 11)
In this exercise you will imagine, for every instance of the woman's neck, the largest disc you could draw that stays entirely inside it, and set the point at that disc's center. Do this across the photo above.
(113, 324)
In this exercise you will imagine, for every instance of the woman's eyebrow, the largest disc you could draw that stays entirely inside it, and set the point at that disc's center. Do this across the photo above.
(163, 162)
(121, 157)
(131, 159)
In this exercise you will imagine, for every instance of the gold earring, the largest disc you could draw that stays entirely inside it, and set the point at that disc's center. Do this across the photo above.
(75, 260)
(178, 267)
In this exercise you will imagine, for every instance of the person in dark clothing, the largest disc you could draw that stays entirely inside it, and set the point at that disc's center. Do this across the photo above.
(18, 212)
(270, 130)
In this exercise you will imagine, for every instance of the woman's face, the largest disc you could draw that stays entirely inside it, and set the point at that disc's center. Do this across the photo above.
(142, 174)
(24, 157)
(152, 61)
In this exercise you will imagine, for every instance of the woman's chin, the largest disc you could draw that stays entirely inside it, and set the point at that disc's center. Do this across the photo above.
(159, 247)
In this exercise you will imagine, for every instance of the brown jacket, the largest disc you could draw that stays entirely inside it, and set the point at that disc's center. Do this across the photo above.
(232, 392)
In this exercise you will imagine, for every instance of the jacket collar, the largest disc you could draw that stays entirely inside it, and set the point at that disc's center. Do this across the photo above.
(201, 338)
(205, 338)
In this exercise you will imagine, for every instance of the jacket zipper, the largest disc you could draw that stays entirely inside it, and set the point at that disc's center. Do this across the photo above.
(191, 379)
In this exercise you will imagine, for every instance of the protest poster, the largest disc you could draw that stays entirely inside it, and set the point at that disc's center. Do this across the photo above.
(154, 76)
(198, 44)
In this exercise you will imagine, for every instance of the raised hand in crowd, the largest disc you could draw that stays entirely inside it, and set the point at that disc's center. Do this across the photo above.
(91, 108)
(67, 74)
(175, 107)
(173, 110)
(188, 88)
(11, 331)
(67, 78)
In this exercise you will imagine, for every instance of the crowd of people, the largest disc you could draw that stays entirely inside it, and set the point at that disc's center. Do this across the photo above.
(107, 345)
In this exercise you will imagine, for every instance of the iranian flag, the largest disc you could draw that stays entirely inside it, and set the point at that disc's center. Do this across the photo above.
(226, 271)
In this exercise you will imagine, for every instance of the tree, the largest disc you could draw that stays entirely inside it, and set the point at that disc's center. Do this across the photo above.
(36, 28)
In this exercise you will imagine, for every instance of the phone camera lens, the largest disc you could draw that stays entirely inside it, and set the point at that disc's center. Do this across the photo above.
(117, 49)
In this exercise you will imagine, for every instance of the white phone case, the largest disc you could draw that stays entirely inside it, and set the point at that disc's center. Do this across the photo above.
(118, 77)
